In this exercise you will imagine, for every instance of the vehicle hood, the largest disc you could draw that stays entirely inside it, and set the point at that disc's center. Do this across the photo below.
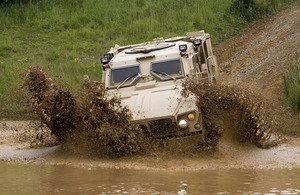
(158, 103)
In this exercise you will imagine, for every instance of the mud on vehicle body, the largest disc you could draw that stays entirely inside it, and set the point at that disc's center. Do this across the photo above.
(148, 77)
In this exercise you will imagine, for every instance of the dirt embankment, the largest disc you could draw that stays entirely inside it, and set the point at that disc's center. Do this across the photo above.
(255, 58)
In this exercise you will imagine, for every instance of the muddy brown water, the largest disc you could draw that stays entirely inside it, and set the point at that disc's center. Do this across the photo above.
(63, 179)
(235, 168)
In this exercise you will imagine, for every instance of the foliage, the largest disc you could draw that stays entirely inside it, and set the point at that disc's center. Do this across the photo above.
(291, 91)
(7, 2)
(253, 9)
(246, 8)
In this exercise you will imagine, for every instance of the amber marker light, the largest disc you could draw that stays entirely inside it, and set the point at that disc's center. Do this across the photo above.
(191, 116)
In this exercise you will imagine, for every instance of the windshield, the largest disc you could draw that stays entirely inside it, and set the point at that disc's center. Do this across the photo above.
(125, 75)
(166, 70)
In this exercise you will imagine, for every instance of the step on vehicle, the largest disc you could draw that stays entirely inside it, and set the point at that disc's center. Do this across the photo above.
(148, 77)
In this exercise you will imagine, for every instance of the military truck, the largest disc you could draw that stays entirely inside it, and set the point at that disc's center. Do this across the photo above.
(148, 77)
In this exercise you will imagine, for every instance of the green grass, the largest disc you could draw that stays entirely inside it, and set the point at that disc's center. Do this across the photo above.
(291, 90)
(67, 38)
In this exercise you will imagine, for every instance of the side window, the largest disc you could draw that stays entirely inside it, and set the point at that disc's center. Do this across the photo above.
(196, 63)
(202, 56)
(205, 49)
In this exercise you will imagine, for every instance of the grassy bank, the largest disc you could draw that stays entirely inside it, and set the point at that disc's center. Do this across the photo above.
(68, 37)
(291, 90)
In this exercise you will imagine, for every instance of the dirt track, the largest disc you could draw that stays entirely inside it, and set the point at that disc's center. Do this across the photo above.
(255, 58)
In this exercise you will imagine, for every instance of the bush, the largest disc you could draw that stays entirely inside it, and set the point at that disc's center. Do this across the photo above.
(291, 90)
(17, 1)
(253, 9)
(245, 8)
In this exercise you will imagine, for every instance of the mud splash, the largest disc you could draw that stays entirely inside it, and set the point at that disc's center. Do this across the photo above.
(92, 119)
(88, 119)
(234, 112)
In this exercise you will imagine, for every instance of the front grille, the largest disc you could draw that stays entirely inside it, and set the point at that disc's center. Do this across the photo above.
(162, 126)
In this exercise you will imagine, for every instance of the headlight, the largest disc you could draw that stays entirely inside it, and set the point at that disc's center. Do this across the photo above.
(105, 60)
(197, 42)
(109, 55)
(183, 47)
(183, 124)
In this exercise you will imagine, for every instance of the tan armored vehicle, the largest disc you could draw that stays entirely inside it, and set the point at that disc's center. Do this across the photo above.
(148, 77)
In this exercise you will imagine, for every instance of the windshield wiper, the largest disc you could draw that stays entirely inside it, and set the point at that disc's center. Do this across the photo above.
(127, 80)
(165, 74)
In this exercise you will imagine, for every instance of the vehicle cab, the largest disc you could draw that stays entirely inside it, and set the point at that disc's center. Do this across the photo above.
(148, 77)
